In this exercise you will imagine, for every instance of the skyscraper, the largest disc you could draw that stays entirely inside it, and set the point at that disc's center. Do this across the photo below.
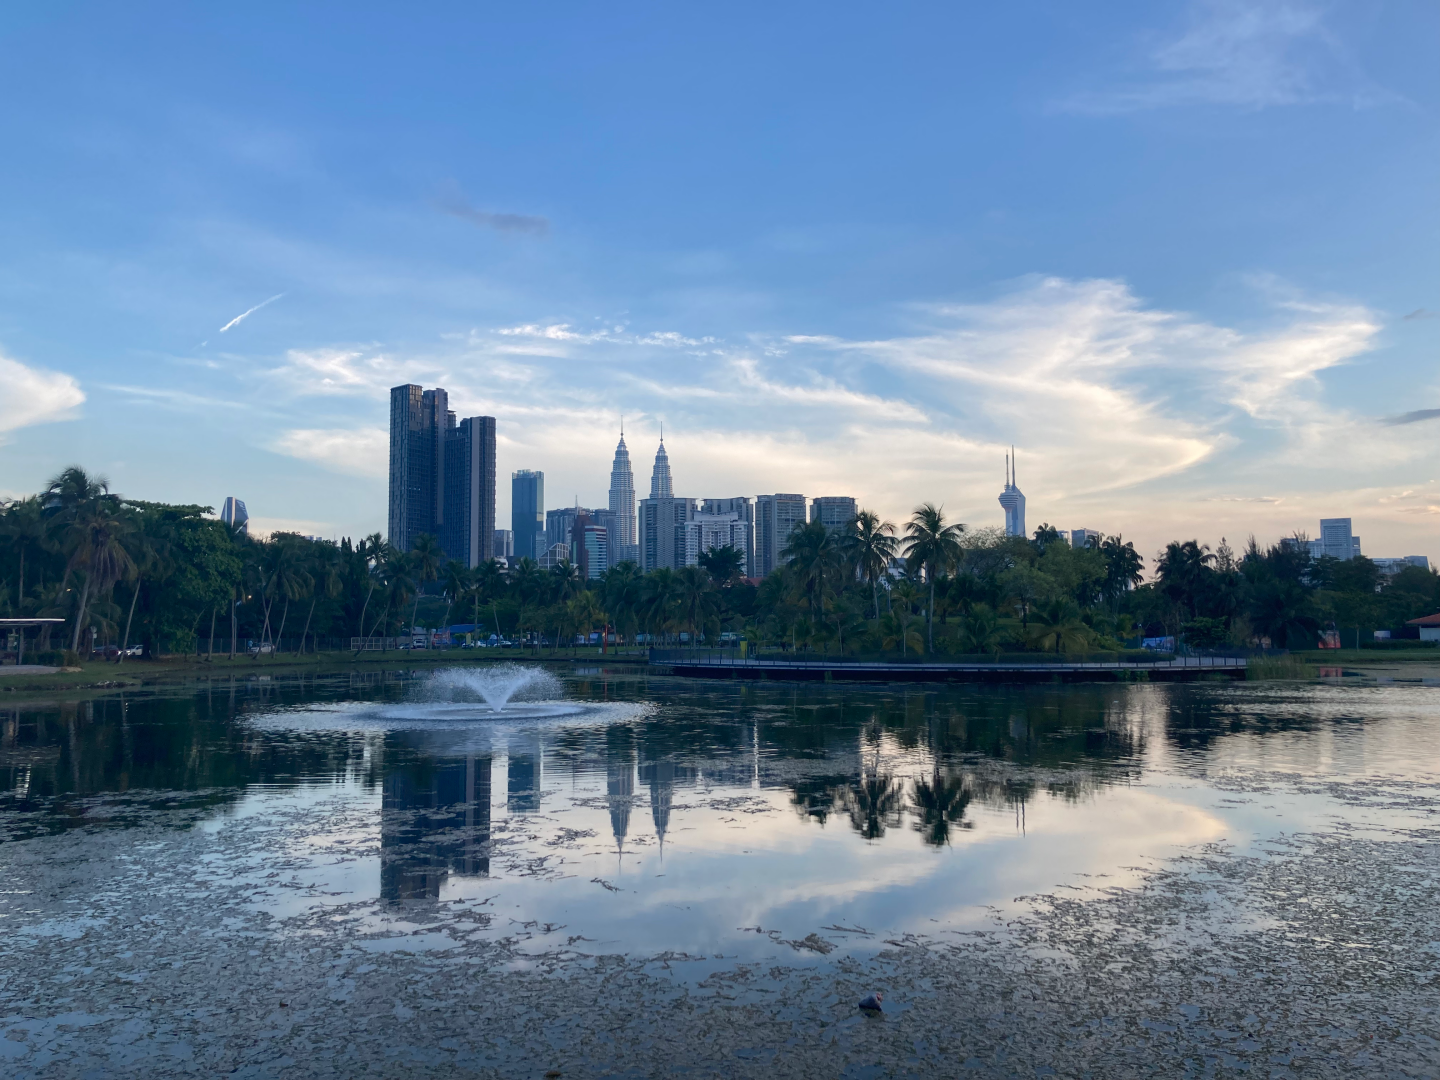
(660, 485)
(622, 506)
(1012, 500)
(233, 514)
(417, 462)
(467, 529)
(527, 512)
(776, 516)
(662, 519)
(442, 475)
(1337, 540)
(835, 512)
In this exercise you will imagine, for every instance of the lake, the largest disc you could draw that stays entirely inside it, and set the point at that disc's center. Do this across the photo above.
(615, 873)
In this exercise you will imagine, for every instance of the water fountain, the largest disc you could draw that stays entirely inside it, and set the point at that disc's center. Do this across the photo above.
(497, 686)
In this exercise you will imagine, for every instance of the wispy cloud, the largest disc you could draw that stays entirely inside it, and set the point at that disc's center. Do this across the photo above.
(238, 319)
(1412, 417)
(30, 395)
(1420, 313)
(1250, 54)
(453, 202)
(356, 452)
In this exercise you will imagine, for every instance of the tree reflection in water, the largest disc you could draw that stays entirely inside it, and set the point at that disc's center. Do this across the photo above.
(939, 803)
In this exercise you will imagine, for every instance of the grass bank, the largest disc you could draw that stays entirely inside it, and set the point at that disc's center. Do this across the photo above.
(1279, 667)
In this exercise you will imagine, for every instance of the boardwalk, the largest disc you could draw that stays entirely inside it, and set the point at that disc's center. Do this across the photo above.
(719, 664)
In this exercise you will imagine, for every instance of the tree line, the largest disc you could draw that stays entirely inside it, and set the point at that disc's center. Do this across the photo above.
(123, 572)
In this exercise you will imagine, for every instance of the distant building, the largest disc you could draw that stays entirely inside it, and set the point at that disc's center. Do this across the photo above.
(744, 509)
(1391, 567)
(706, 532)
(835, 512)
(590, 547)
(504, 543)
(527, 513)
(1336, 539)
(1012, 500)
(467, 527)
(442, 475)
(233, 514)
(663, 518)
(622, 506)
(1084, 538)
(556, 553)
(776, 517)
(560, 523)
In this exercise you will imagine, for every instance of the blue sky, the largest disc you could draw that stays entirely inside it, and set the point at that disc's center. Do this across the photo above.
(1182, 255)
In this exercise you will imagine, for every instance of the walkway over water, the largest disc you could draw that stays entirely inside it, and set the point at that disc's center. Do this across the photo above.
(728, 664)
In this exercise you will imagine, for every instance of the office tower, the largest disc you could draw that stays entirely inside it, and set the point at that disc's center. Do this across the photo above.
(560, 524)
(467, 527)
(835, 512)
(660, 485)
(417, 462)
(233, 514)
(776, 516)
(554, 555)
(1336, 539)
(527, 512)
(1084, 538)
(706, 532)
(662, 532)
(589, 547)
(622, 505)
(744, 509)
(504, 544)
(1012, 500)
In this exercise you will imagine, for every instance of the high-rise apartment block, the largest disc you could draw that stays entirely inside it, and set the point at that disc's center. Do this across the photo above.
(776, 516)
(706, 532)
(504, 544)
(623, 544)
(527, 513)
(589, 547)
(744, 509)
(442, 475)
(1084, 538)
(835, 512)
(233, 514)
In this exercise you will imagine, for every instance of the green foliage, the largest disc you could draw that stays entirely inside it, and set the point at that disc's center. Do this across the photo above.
(162, 575)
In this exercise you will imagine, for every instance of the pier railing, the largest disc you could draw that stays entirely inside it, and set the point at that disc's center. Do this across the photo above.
(1025, 661)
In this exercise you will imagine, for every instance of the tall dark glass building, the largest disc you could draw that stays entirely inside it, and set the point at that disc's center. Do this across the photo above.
(442, 475)
(468, 531)
(527, 512)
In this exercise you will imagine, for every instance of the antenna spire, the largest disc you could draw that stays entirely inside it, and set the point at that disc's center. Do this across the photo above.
(1013, 463)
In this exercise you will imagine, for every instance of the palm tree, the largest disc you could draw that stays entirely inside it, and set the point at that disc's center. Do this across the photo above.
(812, 557)
(327, 570)
(1123, 566)
(623, 592)
(932, 544)
(585, 613)
(1061, 628)
(1282, 610)
(870, 545)
(660, 600)
(371, 551)
(979, 630)
(24, 525)
(696, 598)
(904, 595)
(151, 556)
(425, 559)
(459, 580)
(96, 533)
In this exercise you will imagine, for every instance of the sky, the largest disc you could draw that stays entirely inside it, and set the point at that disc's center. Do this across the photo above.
(1182, 255)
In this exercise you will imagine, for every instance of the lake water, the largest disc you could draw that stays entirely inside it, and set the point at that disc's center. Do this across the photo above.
(704, 827)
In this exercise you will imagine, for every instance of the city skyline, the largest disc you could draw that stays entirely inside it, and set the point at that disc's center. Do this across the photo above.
(1223, 321)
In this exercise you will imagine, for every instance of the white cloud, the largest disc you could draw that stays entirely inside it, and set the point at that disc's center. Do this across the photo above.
(31, 395)
(1251, 54)
(363, 452)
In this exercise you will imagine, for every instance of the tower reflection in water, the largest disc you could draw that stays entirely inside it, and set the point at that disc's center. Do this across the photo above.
(434, 822)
